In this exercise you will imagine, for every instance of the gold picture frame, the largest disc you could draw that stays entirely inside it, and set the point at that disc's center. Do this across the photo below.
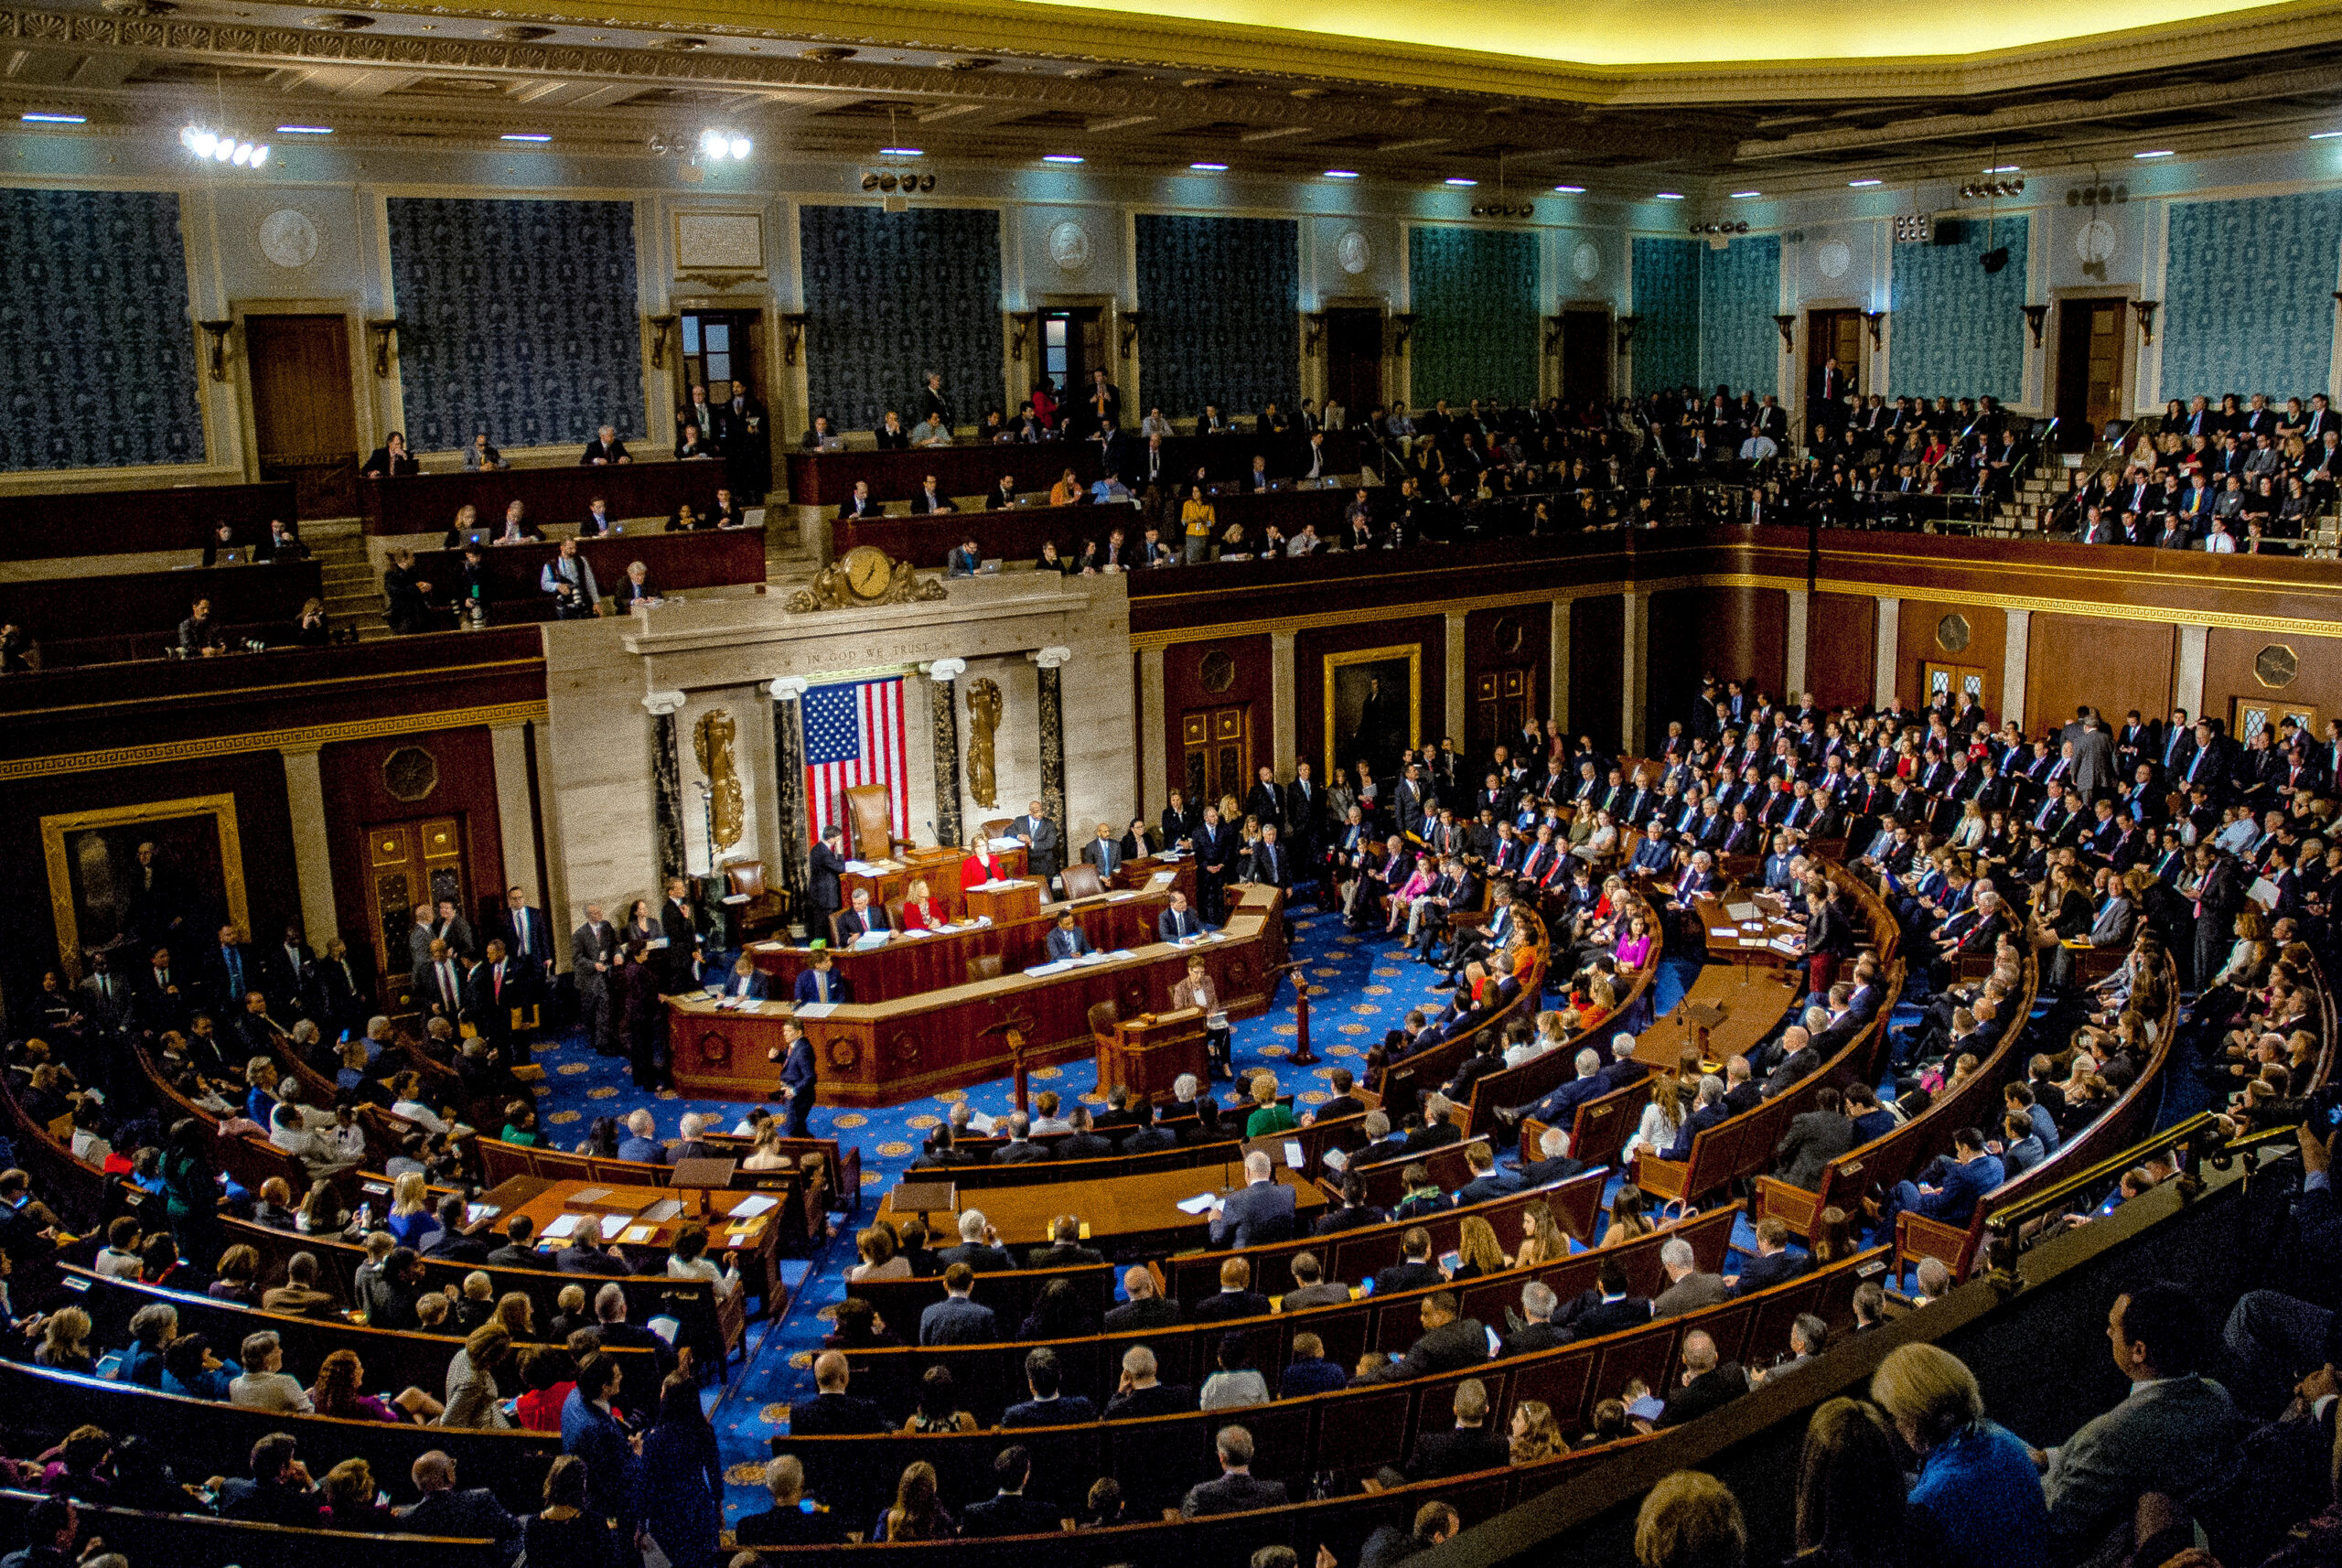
(56, 840)
(1412, 652)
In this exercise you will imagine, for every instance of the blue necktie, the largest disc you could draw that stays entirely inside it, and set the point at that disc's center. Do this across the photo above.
(235, 973)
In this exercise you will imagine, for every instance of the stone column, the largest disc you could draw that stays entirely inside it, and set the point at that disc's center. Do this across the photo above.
(1153, 767)
(304, 800)
(2014, 660)
(942, 699)
(1050, 661)
(1793, 672)
(1886, 656)
(516, 824)
(1284, 722)
(1455, 710)
(1559, 679)
(666, 784)
(788, 781)
(2187, 679)
(1636, 651)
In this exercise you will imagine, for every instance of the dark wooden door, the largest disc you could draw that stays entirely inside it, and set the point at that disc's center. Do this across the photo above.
(2090, 368)
(1073, 344)
(1586, 357)
(411, 863)
(1830, 334)
(719, 348)
(1354, 360)
(1216, 746)
(305, 417)
(1500, 700)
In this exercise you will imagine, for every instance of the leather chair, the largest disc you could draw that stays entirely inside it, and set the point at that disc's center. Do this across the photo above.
(870, 810)
(764, 907)
(1082, 881)
(1103, 1016)
(984, 966)
(997, 827)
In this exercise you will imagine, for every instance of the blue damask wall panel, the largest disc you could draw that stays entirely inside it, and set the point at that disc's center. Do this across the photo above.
(517, 317)
(1476, 322)
(1218, 298)
(97, 351)
(1667, 310)
(891, 295)
(1740, 289)
(2247, 296)
(1958, 330)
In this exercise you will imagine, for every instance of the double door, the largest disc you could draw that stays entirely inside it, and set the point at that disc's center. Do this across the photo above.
(1829, 334)
(2090, 339)
(411, 863)
(1216, 754)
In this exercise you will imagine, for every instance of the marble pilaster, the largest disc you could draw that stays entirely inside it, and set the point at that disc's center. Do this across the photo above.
(1455, 708)
(943, 698)
(1050, 662)
(1155, 767)
(1793, 664)
(666, 783)
(788, 694)
(1887, 655)
(2187, 677)
(2016, 656)
(1636, 654)
(304, 800)
(1558, 688)
(516, 822)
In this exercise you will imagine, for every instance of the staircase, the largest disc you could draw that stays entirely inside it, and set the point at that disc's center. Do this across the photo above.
(352, 588)
(787, 558)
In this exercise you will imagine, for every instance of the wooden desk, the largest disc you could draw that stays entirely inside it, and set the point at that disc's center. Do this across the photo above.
(756, 1241)
(938, 868)
(1146, 1057)
(1752, 997)
(1017, 533)
(1130, 1210)
(890, 1052)
(1743, 945)
(708, 558)
(136, 615)
(136, 521)
(1137, 873)
(1003, 902)
(427, 503)
(910, 965)
(827, 479)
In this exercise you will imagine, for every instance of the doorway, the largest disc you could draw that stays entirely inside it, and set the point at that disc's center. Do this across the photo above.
(1500, 700)
(1586, 357)
(1829, 334)
(2090, 368)
(1073, 344)
(1945, 684)
(1354, 360)
(1216, 753)
(719, 348)
(408, 864)
(305, 417)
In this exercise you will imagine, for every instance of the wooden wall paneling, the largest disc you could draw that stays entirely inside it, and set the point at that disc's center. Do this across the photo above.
(1841, 647)
(1190, 671)
(1511, 644)
(2112, 665)
(1732, 632)
(1917, 644)
(2229, 659)
(1311, 648)
(1597, 633)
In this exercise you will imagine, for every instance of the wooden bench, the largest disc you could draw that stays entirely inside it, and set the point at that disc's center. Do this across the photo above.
(139, 522)
(198, 1541)
(135, 615)
(1403, 1081)
(1010, 1294)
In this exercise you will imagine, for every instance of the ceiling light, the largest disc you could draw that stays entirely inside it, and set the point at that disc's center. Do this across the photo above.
(305, 129)
(1060, 157)
(1210, 169)
(1571, 189)
(1743, 195)
(524, 136)
(1341, 174)
(2157, 153)
(260, 154)
(1859, 184)
(902, 152)
(721, 144)
(2005, 169)
(54, 119)
(2313, 135)
(1459, 180)
(1670, 195)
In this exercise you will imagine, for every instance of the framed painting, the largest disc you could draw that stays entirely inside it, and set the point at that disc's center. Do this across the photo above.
(1374, 704)
(160, 874)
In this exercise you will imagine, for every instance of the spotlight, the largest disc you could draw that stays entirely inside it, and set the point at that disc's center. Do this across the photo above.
(886, 180)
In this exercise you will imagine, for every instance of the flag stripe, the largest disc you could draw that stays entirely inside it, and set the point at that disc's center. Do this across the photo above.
(878, 754)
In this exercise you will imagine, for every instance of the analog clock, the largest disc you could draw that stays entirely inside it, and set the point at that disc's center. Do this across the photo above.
(867, 571)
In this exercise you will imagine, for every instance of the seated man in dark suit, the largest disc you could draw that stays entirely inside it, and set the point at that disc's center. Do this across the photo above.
(1415, 1269)
(517, 1252)
(1773, 1262)
(1707, 1384)
(1555, 1162)
(1537, 1304)
(1559, 1108)
(930, 499)
(641, 1142)
(473, 1512)
(1065, 1249)
(1708, 1110)
(1262, 1211)
(1009, 1511)
(1340, 1102)
(1020, 1148)
(1486, 1181)
(864, 917)
(957, 1320)
(939, 1153)
(1967, 1176)
(1067, 941)
(1140, 1395)
(1146, 1308)
(1607, 1307)
(860, 504)
(1449, 1341)
(786, 1522)
(1238, 1489)
(832, 1412)
(1048, 1406)
(1237, 1298)
(1814, 1138)
(979, 1246)
(1469, 1445)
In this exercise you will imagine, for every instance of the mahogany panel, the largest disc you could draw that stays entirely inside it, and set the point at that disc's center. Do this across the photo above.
(2110, 665)
(1732, 632)
(2229, 657)
(133, 614)
(1841, 647)
(1919, 642)
(1513, 637)
(1245, 664)
(1598, 635)
(358, 796)
(132, 521)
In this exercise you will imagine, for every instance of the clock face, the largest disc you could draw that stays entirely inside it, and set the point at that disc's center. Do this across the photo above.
(2095, 241)
(868, 570)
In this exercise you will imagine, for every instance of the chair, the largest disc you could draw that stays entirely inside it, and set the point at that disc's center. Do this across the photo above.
(1082, 881)
(984, 967)
(761, 908)
(997, 827)
(871, 809)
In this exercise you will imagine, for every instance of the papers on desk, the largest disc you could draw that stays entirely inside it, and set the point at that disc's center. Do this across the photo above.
(1741, 911)
(869, 940)
(1203, 1203)
(981, 1125)
(860, 867)
(750, 1208)
(994, 886)
(1724, 930)
(740, 1004)
(1293, 1155)
(640, 1236)
(1785, 946)
(1121, 897)
(1003, 846)
(660, 1212)
(1118, 953)
(475, 1212)
(565, 1227)
(614, 1226)
(1162, 879)
(767, 947)
(1337, 1161)
(816, 1009)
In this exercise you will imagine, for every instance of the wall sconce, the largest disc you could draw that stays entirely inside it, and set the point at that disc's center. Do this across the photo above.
(1021, 326)
(1788, 324)
(793, 335)
(1313, 330)
(1627, 325)
(1402, 326)
(1127, 331)
(385, 330)
(2145, 311)
(217, 331)
(2034, 315)
(1553, 335)
(1877, 321)
(660, 326)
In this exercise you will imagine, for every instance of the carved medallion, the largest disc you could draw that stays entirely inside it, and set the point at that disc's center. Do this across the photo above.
(410, 773)
(288, 238)
(1585, 262)
(1217, 670)
(1952, 633)
(1070, 246)
(865, 576)
(1834, 258)
(1355, 251)
(2275, 666)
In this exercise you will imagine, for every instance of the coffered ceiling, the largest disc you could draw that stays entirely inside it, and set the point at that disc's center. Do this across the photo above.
(1621, 98)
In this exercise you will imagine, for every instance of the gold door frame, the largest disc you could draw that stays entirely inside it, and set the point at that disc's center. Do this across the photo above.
(1412, 652)
(221, 808)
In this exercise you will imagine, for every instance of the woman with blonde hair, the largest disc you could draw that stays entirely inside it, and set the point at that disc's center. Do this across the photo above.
(1535, 1434)
(410, 1219)
(766, 1154)
(1977, 1482)
(880, 1260)
(920, 911)
(1541, 1240)
(1477, 1253)
(518, 1314)
(65, 1342)
(1691, 1520)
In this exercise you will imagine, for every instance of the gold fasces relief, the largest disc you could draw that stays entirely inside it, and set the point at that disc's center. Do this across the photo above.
(984, 718)
(712, 740)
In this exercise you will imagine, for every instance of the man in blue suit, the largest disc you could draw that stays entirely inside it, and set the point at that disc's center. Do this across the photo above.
(1559, 1108)
(1708, 1110)
(823, 982)
(1262, 1211)
(957, 1320)
(1067, 941)
(527, 936)
(1178, 922)
(1970, 1173)
(744, 983)
(797, 1076)
(1654, 854)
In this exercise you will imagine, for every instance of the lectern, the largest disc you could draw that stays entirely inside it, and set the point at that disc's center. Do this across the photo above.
(1145, 1054)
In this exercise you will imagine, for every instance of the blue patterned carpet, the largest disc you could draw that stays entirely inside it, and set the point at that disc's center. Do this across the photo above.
(1361, 989)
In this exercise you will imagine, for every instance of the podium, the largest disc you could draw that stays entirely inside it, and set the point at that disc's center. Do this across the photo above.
(1019, 900)
(1147, 1054)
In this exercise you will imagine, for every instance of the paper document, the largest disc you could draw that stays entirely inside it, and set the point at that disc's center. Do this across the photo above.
(863, 866)
(565, 1227)
(1292, 1154)
(1040, 970)
(981, 1125)
(614, 1226)
(1741, 911)
(816, 1009)
(640, 1236)
(750, 1208)
(1724, 930)
(1203, 1203)
(1161, 880)
(1122, 897)
(869, 940)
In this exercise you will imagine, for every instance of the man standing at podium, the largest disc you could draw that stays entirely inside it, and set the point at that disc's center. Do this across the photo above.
(1041, 843)
(796, 1076)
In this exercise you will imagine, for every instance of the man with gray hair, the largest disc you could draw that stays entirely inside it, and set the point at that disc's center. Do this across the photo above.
(1708, 1382)
(785, 1522)
(979, 1246)
(1262, 1211)
(1537, 1304)
(1559, 1108)
(1688, 1289)
(1138, 1395)
(1021, 1149)
(1624, 1069)
(1935, 1280)
(1146, 1308)
(1238, 1489)
(1555, 1162)
(1708, 1110)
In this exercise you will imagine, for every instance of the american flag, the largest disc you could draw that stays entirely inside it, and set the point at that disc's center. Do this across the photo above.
(854, 734)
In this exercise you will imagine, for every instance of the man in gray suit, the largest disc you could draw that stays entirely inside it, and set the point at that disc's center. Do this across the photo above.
(1688, 1289)
(2171, 1430)
(592, 950)
(2094, 772)
(1814, 1138)
(1261, 1212)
